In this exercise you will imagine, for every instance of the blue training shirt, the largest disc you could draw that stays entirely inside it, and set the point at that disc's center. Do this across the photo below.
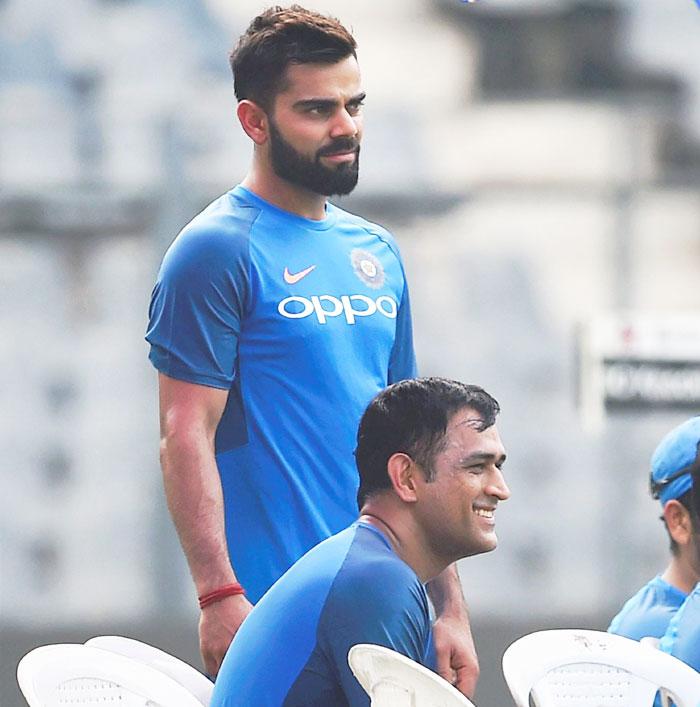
(292, 648)
(682, 638)
(303, 322)
(649, 611)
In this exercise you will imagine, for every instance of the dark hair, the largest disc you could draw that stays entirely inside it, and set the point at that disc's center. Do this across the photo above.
(412, 417)
(690, 500)
(695, 492)
(279, 37)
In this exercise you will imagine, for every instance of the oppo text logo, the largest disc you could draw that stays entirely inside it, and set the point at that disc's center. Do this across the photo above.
(327, 306)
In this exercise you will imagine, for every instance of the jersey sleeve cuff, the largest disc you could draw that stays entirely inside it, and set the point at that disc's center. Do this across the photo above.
(163, 362)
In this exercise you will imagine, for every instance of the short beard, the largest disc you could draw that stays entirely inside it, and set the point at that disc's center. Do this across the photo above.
(311, 174)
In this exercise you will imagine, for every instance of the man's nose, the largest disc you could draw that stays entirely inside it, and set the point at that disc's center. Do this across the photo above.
(498, 487)
(344, 125)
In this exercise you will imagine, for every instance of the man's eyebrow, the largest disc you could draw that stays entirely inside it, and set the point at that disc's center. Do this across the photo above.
(327, 102)
(482, 457)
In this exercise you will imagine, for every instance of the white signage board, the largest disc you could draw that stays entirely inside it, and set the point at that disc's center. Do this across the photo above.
(639, 361)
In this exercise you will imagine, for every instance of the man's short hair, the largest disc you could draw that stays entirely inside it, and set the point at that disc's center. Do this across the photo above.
(690, 500)
(412, 417)
(279, 37)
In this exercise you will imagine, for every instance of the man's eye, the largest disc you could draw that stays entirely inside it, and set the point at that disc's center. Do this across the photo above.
(354, 108)
(319, 110)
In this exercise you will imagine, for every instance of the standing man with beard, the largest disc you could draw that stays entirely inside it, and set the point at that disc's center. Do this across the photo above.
(275, 319)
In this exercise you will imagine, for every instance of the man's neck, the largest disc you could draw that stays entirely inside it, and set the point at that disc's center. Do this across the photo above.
(406, 540)
(285, 195)
(681, 575)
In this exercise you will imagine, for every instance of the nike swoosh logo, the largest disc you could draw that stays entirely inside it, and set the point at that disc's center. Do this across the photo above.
(293, 278)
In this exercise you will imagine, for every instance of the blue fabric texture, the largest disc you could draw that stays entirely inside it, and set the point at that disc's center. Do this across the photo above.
(303, 322)
(649, 611)
(292, 648)
(682, 638)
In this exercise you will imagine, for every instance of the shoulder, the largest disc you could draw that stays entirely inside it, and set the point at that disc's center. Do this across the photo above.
(656, 591)
(375, 598)
(647, 612)
(216, 239)
(362, 584)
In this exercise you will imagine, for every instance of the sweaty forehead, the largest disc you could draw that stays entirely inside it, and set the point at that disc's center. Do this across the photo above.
(466, 417)
(465, 435)
(339, 80)
(462, 432)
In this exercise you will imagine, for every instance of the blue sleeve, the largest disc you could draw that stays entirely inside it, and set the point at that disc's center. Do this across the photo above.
(381, 617)
(402, 363)
(197, 305)
(627, 619)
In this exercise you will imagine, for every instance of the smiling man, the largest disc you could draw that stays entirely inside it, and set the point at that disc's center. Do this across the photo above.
(430, 463)
(275, 319)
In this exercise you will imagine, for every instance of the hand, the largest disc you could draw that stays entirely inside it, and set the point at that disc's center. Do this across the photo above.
(457, 661)
(218, 624)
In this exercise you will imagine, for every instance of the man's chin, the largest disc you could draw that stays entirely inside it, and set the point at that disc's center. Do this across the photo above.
(487, 544)
(342, 187)
(342, 192)
(338, 181)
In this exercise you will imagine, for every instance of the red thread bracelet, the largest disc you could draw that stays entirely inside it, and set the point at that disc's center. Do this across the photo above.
(228, 590)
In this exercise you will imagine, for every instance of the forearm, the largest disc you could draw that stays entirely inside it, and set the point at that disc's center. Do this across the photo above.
(195, 499)
(457, 661)
(445, 592)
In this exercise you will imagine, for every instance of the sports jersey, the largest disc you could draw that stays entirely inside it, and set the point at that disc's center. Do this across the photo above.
(292, 648)
(303, 322)
(682, 638)
(649, 611)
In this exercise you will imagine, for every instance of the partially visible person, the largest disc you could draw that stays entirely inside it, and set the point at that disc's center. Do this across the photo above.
(430, 464)
(682, 638)
(650, 610)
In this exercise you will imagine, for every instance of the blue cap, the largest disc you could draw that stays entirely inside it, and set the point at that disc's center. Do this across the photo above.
(677, 451)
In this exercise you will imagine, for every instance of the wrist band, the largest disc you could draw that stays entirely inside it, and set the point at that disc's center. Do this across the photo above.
(228, 590)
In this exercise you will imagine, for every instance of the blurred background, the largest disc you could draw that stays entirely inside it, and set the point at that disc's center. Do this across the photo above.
(539, 164)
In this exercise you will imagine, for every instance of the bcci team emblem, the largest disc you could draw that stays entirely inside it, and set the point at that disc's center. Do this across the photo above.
(367, 268)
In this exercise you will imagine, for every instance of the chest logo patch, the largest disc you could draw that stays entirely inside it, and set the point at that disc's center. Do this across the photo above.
(293, 278)
(368, 268)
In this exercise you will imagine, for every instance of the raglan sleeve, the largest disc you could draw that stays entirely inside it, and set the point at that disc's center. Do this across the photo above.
(402, 363)
(396, 619)
(197, 306)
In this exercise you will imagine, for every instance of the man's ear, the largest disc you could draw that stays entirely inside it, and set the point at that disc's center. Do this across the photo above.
(402, 472)
(253, 121)
(678, 521)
